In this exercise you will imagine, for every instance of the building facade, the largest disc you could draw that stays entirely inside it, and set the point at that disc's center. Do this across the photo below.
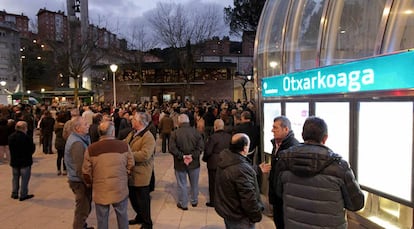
(20, 21)
(10, 62)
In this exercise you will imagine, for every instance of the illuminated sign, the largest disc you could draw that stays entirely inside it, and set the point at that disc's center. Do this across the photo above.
(379, 73)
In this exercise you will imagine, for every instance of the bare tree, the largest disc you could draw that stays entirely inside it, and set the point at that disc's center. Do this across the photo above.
(139, 42)
(140, 39)
(174, 25)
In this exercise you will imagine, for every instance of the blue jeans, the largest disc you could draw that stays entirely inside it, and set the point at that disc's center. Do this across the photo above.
(24, 173)
(181, 176)
(239, 224)
(120, 208)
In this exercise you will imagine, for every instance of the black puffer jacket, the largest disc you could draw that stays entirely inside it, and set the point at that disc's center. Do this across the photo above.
(316, 186)
(237, 191)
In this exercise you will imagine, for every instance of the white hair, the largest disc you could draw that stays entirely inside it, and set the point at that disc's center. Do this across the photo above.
(183, 118)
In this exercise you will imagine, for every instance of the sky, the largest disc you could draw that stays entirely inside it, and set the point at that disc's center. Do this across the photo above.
(119, 12)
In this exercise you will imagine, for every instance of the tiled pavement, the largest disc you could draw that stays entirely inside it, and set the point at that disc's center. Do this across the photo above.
(52, 206)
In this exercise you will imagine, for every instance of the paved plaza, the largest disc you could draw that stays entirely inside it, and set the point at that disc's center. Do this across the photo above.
(53, 204)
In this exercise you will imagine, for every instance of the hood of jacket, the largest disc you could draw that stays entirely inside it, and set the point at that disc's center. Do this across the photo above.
(307, 159)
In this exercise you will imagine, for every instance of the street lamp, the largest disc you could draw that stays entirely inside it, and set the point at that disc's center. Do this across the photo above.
(43, 95)
(3, 84)
(114, 67)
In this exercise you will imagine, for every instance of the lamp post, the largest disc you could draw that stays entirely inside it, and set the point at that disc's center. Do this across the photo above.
(114, 67)
(43, 95)
(3, 99)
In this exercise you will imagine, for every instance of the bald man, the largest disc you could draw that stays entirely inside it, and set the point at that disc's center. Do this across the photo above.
(106, 167)
(21, 151)
(217, 142)
(237, 196)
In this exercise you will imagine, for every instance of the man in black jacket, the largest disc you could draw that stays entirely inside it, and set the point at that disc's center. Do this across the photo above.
(316, 184)
(237, 196)
(248, 127)
(21, 150)
(283, 139)
(217, 142)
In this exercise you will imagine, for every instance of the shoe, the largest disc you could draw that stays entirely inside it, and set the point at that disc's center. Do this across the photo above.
(209, 204)
(26, 197)
(194, 205)
(59, 173)
(182, 208)
(14, 196)
(64, 173)
(145, 227)
(85, 226)
(134, 221)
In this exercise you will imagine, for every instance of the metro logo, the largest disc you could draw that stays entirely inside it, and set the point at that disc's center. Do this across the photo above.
(352, 81)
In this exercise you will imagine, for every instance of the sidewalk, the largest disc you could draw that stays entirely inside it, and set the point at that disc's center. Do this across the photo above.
(53, 204)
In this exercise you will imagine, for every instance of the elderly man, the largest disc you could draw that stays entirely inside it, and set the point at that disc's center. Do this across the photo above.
(217, 142)
(68, 128)
(21, 150)
(106, 167)
(283, 139)
(237, 197)
(75, 147)
(248, 127)
(142, 144)
(316, 184)
(186, 146)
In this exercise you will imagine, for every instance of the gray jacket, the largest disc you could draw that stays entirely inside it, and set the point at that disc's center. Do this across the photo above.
(186, 140)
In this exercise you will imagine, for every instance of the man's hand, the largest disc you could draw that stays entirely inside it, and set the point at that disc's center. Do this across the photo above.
(187, 159)
(265, 167)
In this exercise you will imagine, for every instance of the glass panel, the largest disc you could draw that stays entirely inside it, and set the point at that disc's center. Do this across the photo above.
(270, 111)
(354, 35)
(385, 137)
(303, 35)
(400, 30)
(297, 114)
(270, 40)
(336, 116)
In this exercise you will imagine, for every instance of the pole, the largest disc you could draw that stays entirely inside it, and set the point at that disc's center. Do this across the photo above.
(113, 79)
(113, 68)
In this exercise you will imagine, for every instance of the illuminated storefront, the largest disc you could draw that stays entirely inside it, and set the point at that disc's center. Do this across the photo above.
(348, 62)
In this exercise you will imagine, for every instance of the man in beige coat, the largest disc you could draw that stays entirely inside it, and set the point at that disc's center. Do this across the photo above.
(106, 167)
(142, 145)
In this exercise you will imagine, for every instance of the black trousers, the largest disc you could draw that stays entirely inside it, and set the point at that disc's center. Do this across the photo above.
(165, 142)
(211, 183)
(141, 203)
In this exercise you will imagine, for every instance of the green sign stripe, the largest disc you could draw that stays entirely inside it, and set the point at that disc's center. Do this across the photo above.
(388, 72)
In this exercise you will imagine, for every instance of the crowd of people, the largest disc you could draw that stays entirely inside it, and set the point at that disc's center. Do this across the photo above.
(107, 154)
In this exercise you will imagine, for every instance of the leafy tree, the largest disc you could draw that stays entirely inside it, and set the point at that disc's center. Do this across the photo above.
(244, 16)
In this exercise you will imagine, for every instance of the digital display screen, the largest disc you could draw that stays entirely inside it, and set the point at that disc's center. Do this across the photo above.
(270, 111)
(336, 116)
(385, 148)
(297, 114)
